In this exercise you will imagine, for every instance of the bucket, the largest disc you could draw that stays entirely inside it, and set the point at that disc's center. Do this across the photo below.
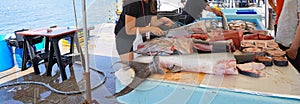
(40, 46)
(18, 57)
(6, 60)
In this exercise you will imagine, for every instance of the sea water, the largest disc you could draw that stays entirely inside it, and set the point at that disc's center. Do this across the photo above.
(26, 14)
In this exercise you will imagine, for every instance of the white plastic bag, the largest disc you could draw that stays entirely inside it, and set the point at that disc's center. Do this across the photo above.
(138, 40)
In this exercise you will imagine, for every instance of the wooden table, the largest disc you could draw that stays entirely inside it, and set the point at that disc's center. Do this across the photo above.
(53, 35)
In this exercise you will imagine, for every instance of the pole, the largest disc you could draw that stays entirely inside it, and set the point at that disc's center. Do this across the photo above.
(86, 55)
(266, 14)
(76, 40)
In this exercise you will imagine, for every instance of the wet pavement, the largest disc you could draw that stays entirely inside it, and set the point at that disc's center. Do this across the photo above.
(102, 56)
(39, 94)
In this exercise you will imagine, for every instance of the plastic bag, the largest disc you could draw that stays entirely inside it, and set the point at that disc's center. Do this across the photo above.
(138, 40)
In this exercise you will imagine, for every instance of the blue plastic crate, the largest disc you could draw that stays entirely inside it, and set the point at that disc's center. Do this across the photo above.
(239, 13)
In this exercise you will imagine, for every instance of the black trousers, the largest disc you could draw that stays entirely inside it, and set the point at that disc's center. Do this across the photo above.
(188, 18)
(296, 62)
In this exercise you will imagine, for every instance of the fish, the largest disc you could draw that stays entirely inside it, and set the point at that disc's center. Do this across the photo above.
(241, 25)
(251, 69)
(142, 71)
(167, 46)
(212, 63)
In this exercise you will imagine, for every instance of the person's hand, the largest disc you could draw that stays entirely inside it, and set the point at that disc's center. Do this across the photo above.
(166, 21)
(217, 12)
(156, 31)
(292, 53)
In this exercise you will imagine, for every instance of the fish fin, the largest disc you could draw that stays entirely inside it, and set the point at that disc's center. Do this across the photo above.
(156, 66)
(175, 69)
(130, 87)
(160, 71)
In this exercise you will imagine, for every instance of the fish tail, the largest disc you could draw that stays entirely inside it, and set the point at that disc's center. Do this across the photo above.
(135, 82)
(126, 90)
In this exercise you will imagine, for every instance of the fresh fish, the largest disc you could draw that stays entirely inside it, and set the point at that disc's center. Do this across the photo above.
(166, 45)
(212, 63)
(251, 69)
(156, 45)
(142, 71)
(241, 25)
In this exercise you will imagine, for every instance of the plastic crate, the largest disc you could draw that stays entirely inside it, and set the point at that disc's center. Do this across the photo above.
(239, 13)
(259, 25)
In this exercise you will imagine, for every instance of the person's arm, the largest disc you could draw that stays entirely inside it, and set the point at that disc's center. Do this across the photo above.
(214, 10)
(130, 27)
(162, 20)
(271, 3)
(293, 50)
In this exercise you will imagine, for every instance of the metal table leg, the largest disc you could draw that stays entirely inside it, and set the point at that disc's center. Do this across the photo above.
(54, 42)
(50, 61)
(24, 57)
(32, 56)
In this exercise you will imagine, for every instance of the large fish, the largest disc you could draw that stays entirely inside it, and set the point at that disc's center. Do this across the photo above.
(142, 71)
(212, 63)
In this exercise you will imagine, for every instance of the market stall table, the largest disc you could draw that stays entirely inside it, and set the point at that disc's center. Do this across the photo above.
(280, 85)
(53, 35)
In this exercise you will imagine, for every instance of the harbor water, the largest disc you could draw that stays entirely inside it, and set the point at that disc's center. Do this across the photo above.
(20, 14)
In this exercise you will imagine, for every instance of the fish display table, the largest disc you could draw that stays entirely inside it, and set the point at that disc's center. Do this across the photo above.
(279, 85)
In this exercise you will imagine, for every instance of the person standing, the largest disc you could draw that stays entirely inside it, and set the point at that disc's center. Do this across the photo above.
(193, 10)
(288, 33)
(277, 8)
(137, 15)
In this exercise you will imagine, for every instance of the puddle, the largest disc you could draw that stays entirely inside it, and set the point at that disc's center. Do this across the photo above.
(44, 95)
(12, 102)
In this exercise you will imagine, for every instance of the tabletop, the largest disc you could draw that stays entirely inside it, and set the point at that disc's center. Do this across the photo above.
(278, 81)
(48, 32)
